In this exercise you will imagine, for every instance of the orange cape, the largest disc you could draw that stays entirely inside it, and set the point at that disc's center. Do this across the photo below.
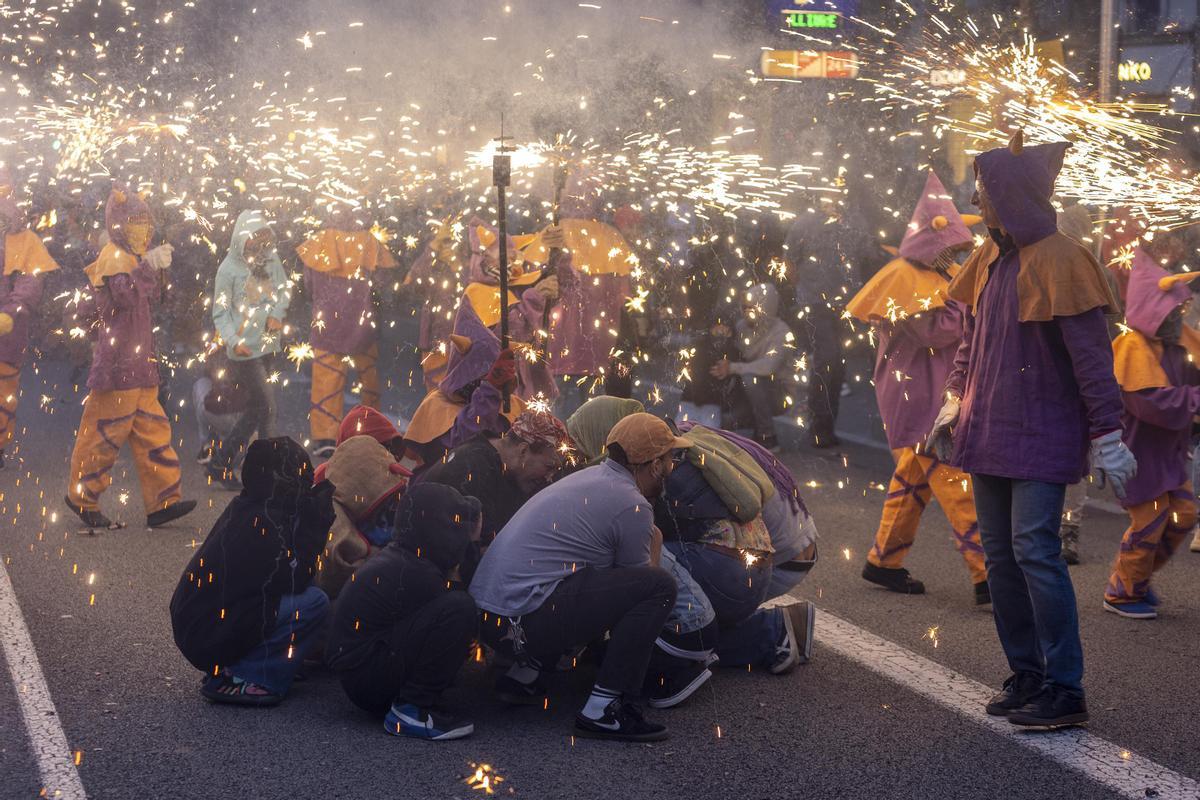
(1137, 360)
(113, 260)
(1058, 277)
(24, 252)
(596, 248)
(343, 253)
(899, 290)
(437, 413)
(485, 298)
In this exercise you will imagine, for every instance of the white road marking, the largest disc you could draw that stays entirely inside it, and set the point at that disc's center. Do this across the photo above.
(47, 740)
(1113, 766)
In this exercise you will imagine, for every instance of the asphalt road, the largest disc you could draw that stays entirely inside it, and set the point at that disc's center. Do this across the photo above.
(96, 609)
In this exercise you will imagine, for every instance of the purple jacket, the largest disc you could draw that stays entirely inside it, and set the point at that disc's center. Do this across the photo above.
(1158, 427)
(20, 295)
(1033, 393)
(914, 357)
(343, 312)
(123, 349)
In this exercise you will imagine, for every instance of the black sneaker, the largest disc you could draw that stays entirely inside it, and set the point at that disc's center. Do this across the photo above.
(823, 441)
(223, 477)
(894, 580)
(621, 721)
(515, 693)
(170, 513)
(1, 459)
(323, 448)
(92, 518)
(1069, 535)
(1018, 690)
(983, 595)
(668, 691)
(1051, 708)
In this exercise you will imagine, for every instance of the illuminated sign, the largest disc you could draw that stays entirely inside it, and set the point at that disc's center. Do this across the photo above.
(797, 19)
(809, 64)
(1134, 71)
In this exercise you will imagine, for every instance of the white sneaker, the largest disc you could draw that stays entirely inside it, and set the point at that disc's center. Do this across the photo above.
(796, 647)
(1195, 548)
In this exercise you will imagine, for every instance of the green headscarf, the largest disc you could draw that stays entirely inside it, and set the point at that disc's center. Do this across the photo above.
(590, 424)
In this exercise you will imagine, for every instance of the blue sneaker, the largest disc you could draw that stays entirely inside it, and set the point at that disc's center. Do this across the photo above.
(1151, 597)
(1138, 610)
(425, 723)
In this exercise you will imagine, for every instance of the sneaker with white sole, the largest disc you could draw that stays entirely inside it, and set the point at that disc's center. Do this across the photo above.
(796, 647)
(406, 719)
(1138, 610)
(669, 691)
(621, 721)
(1195, 546)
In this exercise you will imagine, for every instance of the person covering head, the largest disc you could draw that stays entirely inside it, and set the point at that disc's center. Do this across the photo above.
(436, 522)
(1018, 181)
(644, 437)
(473, 349)
(591, 423)
(936, 226)
(128, 220)
(276, 468)
(366, 421)
(540, 428)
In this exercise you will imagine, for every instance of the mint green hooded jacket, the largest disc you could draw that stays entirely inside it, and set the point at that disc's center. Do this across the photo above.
(244, 299)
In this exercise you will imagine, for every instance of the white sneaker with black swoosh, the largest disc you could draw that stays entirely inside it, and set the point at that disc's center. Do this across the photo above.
(621, 721)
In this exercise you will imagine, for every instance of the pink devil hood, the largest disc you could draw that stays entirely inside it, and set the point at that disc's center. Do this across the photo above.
(935, 225)
(1148, 304)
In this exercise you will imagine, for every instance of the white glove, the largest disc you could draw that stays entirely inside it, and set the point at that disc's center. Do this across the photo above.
(940, 441)
(159, 257)
(1113, 461)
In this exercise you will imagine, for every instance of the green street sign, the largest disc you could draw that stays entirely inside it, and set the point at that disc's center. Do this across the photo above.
(808, 20)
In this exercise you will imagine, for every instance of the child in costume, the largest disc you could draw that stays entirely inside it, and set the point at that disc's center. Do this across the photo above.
(918, 331)
(123, 403)
(1031, 396)
(339, 268)
(1160, 384)
(26, 263)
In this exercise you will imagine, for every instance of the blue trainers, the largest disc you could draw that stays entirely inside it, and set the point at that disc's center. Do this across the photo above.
(1151, 597)
(1138, 610)
(425, 723)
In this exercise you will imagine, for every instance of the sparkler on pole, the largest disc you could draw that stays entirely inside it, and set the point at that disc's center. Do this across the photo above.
(501, 178)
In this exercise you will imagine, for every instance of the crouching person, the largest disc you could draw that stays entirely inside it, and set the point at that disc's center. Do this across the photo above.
(402, 629)
(245, 611)
(578, 560)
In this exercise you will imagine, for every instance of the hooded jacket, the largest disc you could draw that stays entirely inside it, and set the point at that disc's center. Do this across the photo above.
(339, 270)
(591, 422)
(432, 535)
(1160, 384)
(26, 263)
(247, 296)
(118, 307)
(362, 421)
(1034, 370)
(367, 477)
(763, 343)
(264, 545)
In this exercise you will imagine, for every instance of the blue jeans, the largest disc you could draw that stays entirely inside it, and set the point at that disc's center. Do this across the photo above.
(692, 611)
(747, 634)
(270, 664)
(1033, 600)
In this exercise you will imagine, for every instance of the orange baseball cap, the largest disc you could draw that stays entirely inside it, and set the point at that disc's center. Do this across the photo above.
(644, 437)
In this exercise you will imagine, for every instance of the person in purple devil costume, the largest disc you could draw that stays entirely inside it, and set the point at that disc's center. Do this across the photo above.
(1031, 396)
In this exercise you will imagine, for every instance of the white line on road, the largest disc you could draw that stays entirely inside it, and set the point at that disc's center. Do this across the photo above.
(47, 740)
(1099, 759)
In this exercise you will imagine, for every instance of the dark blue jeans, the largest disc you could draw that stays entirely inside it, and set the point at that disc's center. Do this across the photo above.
(748, 635)
(274, 662)
(1033, 600)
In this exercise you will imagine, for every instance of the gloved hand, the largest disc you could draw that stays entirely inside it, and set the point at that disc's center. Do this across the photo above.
(6, 324)
(159, 257)
(940, 441)
(1113, 461)
(548, 288)
(504, 370)
(553, 237)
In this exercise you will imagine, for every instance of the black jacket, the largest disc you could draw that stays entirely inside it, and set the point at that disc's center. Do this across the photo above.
(476, 470)
(263, 546)
(432, 537)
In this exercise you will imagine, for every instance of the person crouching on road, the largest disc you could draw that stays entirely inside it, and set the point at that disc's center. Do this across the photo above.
(1160, 384)
(245, 611)
(403, 627)
(578, 560)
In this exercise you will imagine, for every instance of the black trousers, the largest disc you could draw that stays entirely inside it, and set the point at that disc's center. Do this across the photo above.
(259, 417)
(419, 660)
(823, 331)
(630, 603)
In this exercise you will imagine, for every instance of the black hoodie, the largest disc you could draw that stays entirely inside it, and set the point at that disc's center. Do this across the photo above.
(263, 546)
(434, 524)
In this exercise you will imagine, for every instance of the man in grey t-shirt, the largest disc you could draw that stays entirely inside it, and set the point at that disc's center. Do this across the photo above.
(577, 560)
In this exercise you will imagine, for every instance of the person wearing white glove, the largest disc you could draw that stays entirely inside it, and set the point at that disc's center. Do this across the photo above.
(1161, 391)
(1035, 374)
(941, 436)
(159, 257)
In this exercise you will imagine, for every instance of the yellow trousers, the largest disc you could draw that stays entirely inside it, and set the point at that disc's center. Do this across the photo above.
(1155, 530)
(329, 375)
(917, 477)
(10, 387)
(110, 419)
